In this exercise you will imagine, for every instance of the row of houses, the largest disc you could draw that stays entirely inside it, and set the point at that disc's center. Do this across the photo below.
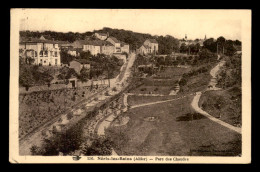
(47, 52)
(99, 43)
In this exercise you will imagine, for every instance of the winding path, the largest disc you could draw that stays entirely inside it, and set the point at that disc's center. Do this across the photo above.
(196, 99)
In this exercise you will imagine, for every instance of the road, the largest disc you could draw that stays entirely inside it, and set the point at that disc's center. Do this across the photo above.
(105, 123)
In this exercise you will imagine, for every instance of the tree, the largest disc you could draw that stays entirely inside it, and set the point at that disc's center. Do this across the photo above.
(66, 58)
(210, 44)
(183, 48)
(26, 78)
(221, 43)
(100, 146)
(229, 48)
(84, 74)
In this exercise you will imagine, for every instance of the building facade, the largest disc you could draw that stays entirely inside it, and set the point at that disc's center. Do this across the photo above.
(44, 52)
(116, 44)
(124, 47)
(152, 46)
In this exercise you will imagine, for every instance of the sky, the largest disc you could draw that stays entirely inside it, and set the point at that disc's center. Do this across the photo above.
(177, 23)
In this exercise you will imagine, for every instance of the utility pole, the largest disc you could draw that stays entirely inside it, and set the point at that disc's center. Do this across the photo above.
(217, 48)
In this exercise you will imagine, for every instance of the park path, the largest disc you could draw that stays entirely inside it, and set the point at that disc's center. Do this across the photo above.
(157, 102)
(196, 99)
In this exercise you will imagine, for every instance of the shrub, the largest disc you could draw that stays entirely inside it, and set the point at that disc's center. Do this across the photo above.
(156, 89)
(114, 89)
(143, 89)
(100, 146)
(106, 93)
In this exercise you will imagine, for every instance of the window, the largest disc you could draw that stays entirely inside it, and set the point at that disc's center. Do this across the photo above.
(51, 53)
(44, 61)
(41, 53)
(46, 53)
(56, 61)
(35, 53)
(56, 54)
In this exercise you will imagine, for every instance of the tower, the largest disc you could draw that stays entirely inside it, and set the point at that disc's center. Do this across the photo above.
(185, 36)
(205, 37)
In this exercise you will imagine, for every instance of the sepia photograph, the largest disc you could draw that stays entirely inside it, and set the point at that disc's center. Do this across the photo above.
(130, 86)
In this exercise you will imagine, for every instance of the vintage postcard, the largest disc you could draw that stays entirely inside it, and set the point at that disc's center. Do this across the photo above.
(130, 86)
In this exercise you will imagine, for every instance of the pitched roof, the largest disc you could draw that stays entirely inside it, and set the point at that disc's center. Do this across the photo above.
(123, 43)
(145, 46)
(36, 40)
(114, 39)
(97, 43)
(152, 41)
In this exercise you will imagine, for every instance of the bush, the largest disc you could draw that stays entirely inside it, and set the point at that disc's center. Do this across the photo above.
(143, 89)
(100, 146)
(106, 93)
(114, 89)
(156, 89)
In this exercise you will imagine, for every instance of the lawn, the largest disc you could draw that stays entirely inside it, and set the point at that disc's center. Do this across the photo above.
(196, 83)
(172, 72)
(172, 133)
(135, 100)
(152, 89)
(224, 102)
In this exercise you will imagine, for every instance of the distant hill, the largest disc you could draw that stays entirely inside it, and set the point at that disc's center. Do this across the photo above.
(167, 44)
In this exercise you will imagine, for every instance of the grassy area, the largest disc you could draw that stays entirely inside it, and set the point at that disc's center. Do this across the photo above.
(135, 100)
(151, 89)
(224, 102)
(172, 133)
(172, 72)
(196, 83)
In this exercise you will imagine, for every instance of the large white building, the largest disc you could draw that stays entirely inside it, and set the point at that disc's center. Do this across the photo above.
(43, 51)
(150, 46)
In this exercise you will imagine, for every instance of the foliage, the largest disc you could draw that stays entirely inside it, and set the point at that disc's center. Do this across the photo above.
(84, 74)
(167, 44)
(100, 146)
(230, 74)
(66, 58)
(26, 77)
(221, 45)
(66, 73)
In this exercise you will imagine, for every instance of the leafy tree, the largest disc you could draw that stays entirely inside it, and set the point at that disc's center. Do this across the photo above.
(26, 78)
(100, 146)
(84, 74)
(183, 48)
(65, 57)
